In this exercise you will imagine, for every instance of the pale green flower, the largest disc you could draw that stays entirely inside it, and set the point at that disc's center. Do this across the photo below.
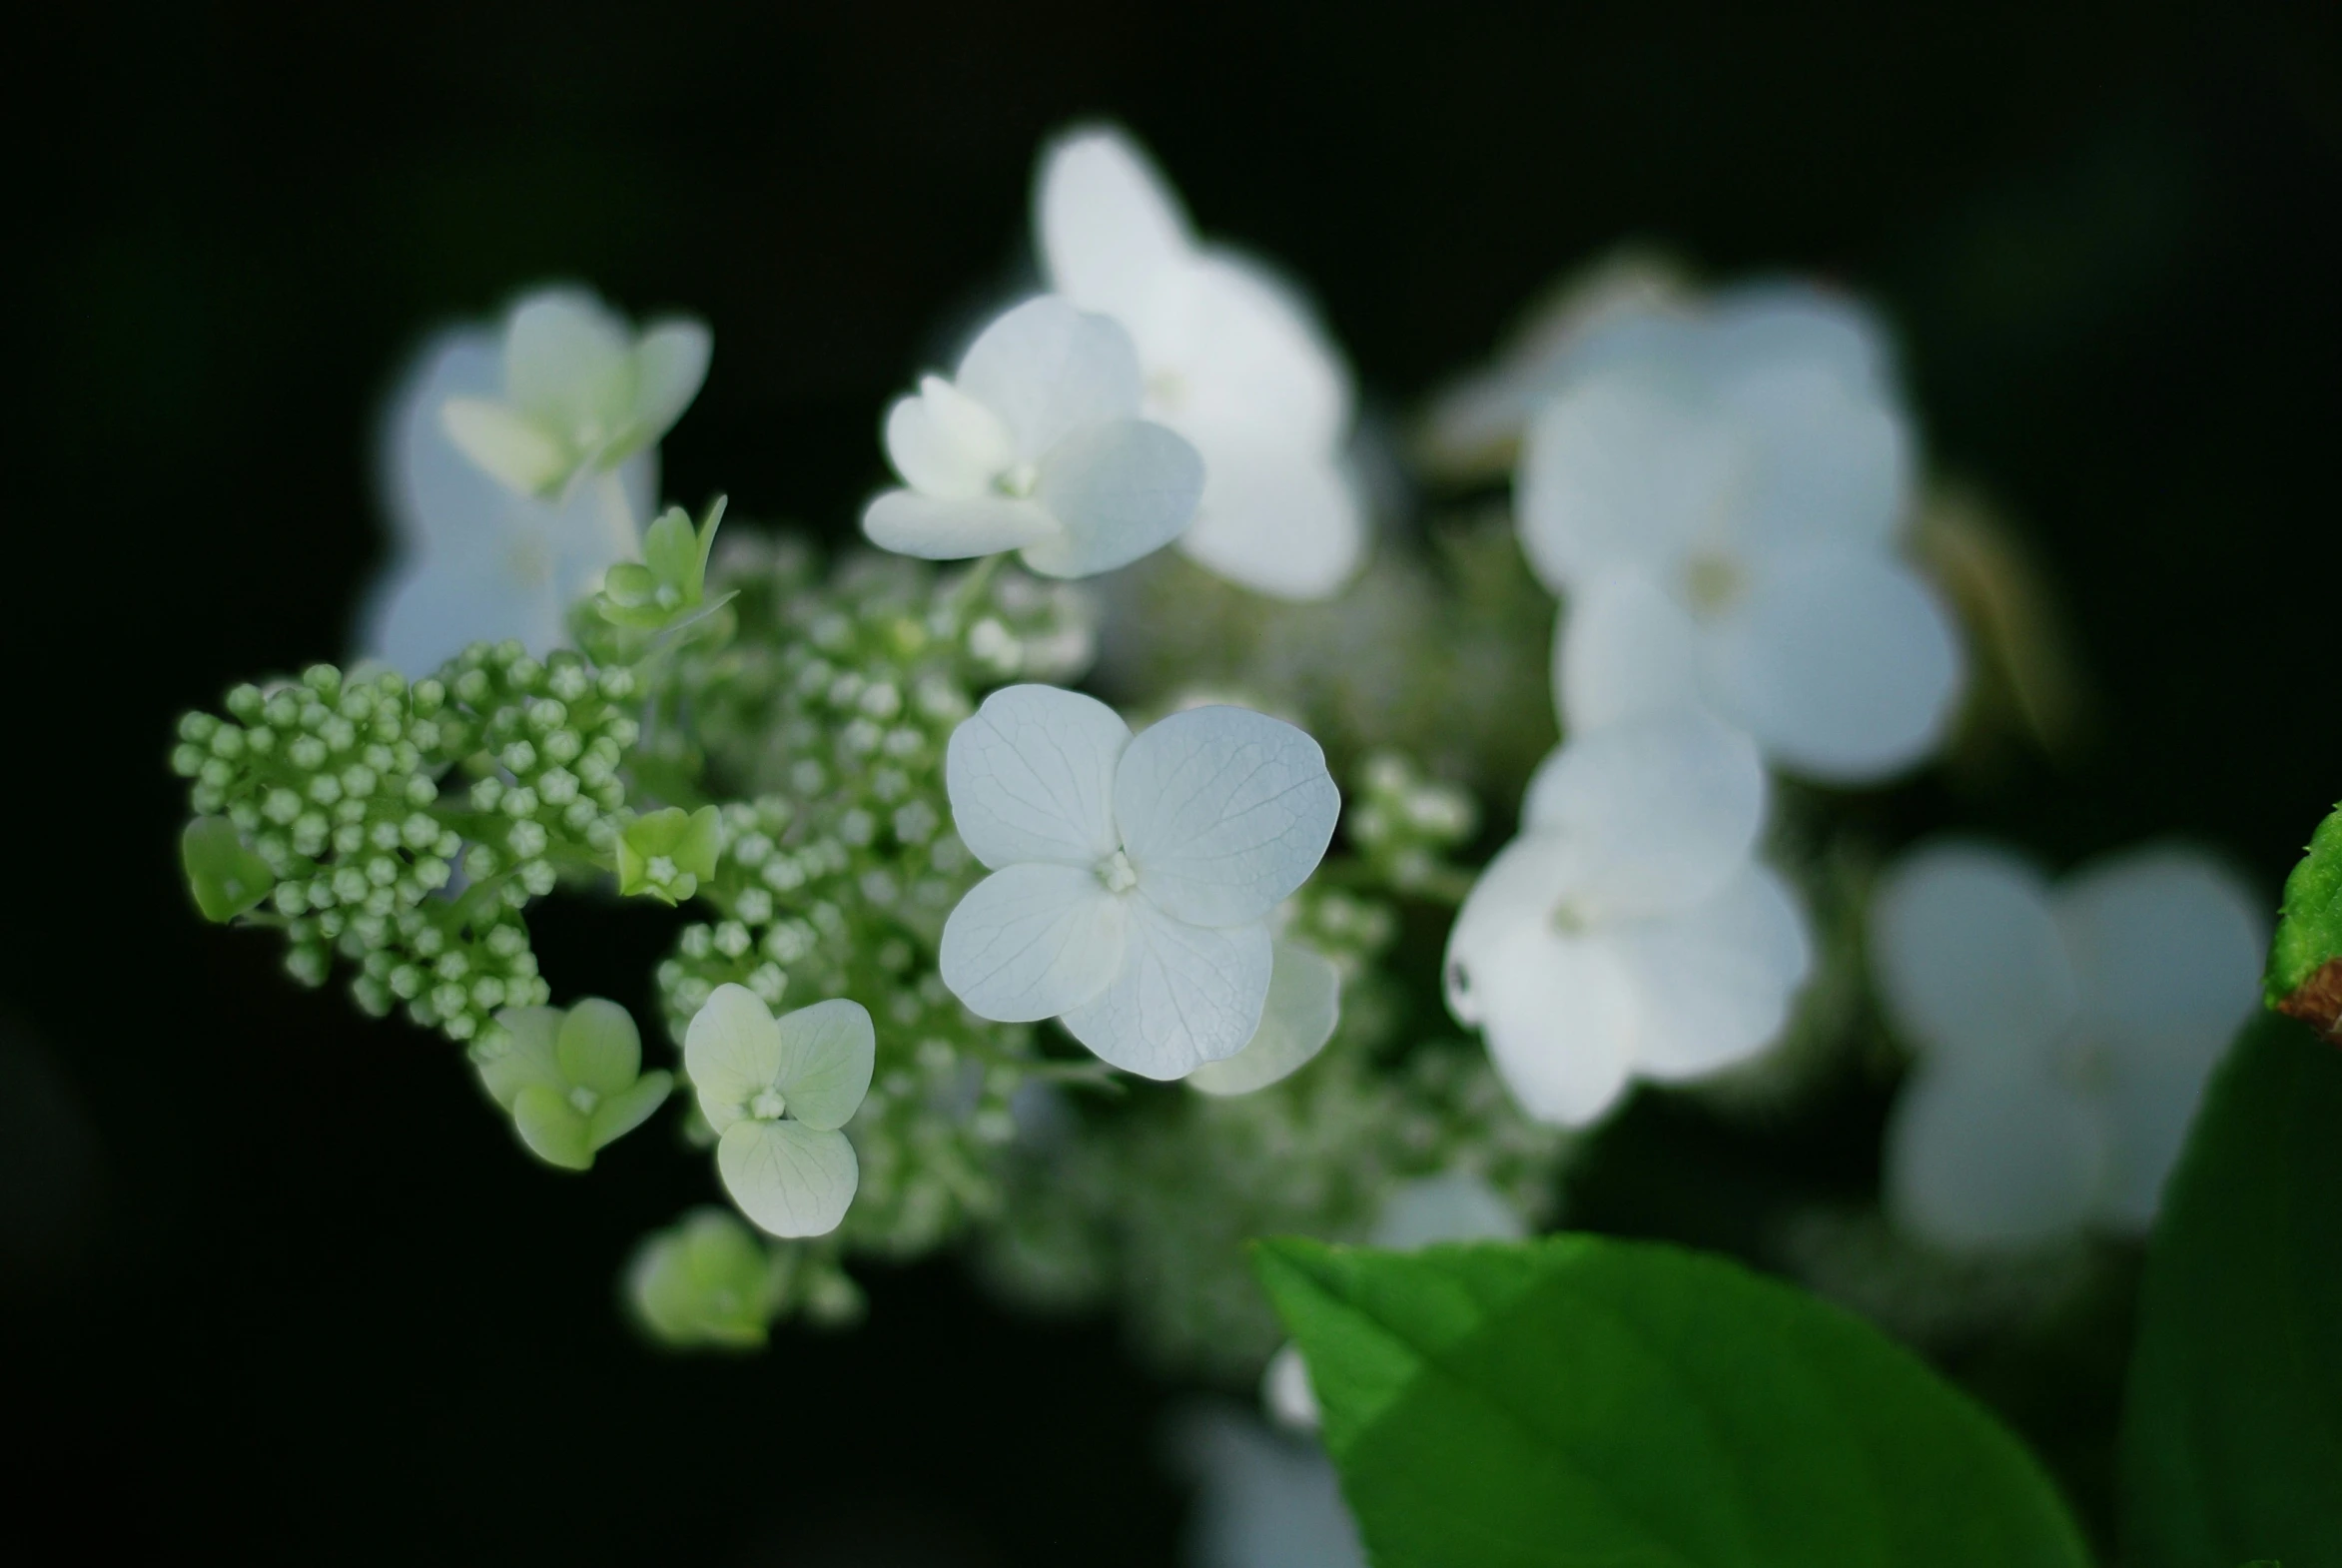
(776, 1093)
(572, 1081)
(706, 1282)
(667, 854)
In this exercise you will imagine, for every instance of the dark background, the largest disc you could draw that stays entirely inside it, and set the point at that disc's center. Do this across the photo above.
(273, 1283)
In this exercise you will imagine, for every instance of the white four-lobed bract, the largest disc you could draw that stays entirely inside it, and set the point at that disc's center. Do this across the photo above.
(1719, 499)
(1035, 444)
(1231, 359)
(581, 391)
(1628, 932)
(776, 1092)
(2064, 1033)
(475, 559)
(1133, 877)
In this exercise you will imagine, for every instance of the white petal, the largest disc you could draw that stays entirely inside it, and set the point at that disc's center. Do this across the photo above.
(1456, 1206)
(1560, 1019)
(508, 443)
(1106, 221)
(1793, 323)
(732, 1050)
(910, 523)
(827, 1052)
(945, 444)
(1031, 775)
(2168, 947)
(1520, 890)
(1667, 808)
(1233, 356)
(1048, 370)
(1716, 981)
(1276, 521)
(1842, 665)
(789, 1178)
(1032, 941)
(1185, 996)
(529, 1059)
(1991, 1158)
(1264, 1501)
(1304, 1005)
(1833, 462)
(670, 364)
(1619, 471)
(1224, 812)
(2149, 1102)
(1118, 489)
(1968, 957)
(567, 362)
(426, 612)
(1623, 649)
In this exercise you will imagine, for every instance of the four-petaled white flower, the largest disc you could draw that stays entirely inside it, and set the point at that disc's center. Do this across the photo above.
(581, 391)
(1233, 360)
(776, 1093)
(1035, 444)
(1628, 932)
(1131, 877)
(477, 560)
(2064, 1033)
(1719, 499)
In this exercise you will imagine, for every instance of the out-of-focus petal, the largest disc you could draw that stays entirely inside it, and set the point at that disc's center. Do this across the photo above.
(1716, 981)
(598, 1047)
(1991, 1158)
(1968, 957)
(2168, 947)
(1833, 463)
(528, 1058)
(1456, 1206)
(1047, 369)
(731, 1050)
(1278, 522)
(1118, 489)
(1841, 663)
(1561, 1021)
(790, 1179)
(1623, 648)
(827, 1052)
(1785, 321)
(1032, 941)
(670, 364)
(910, 523)
(1619, 471)
(945, 444)
(1264, 1501)
(567, 360)
(1304, 1005)
(1031, 775)
(1668, 808)
(1233, 358)
(1186, 994)
(1106, 221)
(508, 443)
(553, 1128)
(1224, 812)
(1521, 889)
(431, 610)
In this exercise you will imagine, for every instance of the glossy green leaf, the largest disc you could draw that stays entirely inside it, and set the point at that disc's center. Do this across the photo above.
(1579, 1400)
(2305, 961)
(2232, 1439)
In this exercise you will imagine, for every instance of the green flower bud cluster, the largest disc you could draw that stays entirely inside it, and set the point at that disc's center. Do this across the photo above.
(710, 1282)
(1403, 825)
(343, 789)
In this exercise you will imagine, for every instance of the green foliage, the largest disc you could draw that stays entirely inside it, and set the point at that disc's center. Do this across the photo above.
(2232, 1442)
(1583, 1401)
(2305, 962)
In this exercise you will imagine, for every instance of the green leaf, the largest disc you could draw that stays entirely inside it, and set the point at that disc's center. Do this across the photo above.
(1579, 1400)
(2305, 962)
(2232, 1441)
(225, 878)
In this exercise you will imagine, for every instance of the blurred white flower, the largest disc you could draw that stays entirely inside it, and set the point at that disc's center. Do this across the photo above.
(475, 559)
(2063, 1034)
(1232, 360)
(1261, 1500)
(775, 1091)
(1719, 499)
(1628, 932)
(581, 391)
(1304, 1006)
(1132, 878)
(1035, 445)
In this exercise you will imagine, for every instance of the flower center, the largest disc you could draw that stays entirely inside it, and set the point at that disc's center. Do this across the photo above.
(767, 1105)
(1117, 872)
(660, 870)
(584, 1100)
(1019, 479)
(1713, 581)
(1167, 391)
(1571, 919)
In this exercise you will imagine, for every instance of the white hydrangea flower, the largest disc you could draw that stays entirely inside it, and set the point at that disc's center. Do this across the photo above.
(1719, 499)
(2064, 1033)
(581, 391)
(1132, 878)
(776, 1093)
(1627, 931)
(1035, 444)
(475, 559)
(1233, 360)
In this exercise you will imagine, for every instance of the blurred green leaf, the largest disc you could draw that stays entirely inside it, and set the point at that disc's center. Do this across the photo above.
(2232, 1442)
(1579, 1400)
